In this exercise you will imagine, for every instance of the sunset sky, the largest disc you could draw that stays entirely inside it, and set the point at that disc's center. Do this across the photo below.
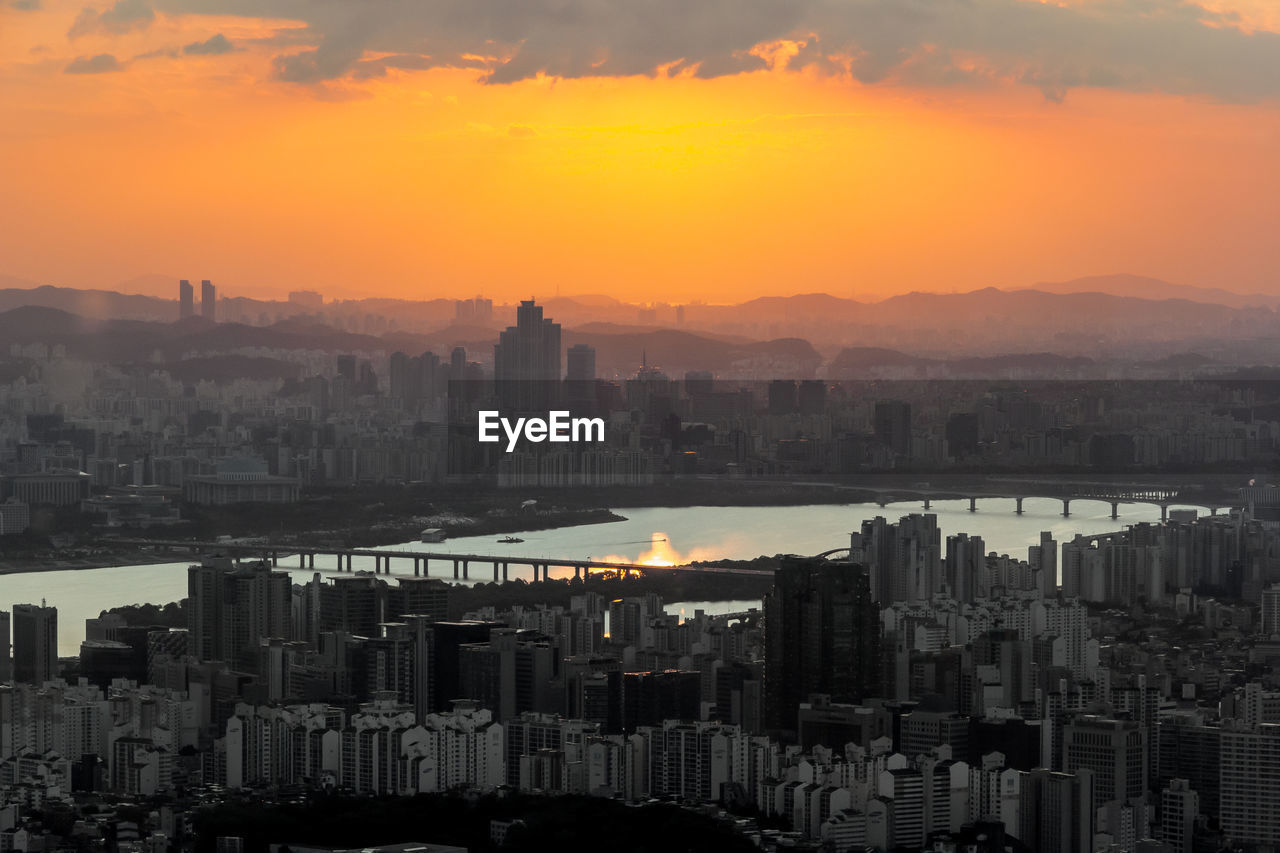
(652, 149)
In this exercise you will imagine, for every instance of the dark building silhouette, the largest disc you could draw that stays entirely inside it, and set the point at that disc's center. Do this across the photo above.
(208, 301)
(580, 379)
(811, 398)
(962, 434)
(35, 643)
(648, 698)
(892, 423)
(526, 361)
(782, 397)
(347, 368)
(186, 300)
(822, 635)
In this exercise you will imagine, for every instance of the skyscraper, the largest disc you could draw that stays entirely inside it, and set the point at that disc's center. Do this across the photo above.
(1043, 559)
(1269, 624)
(1250, 790)
(1179, 808)
(1116, 752)
(232, 607)
(35, 643)
(822, 635)
(526, 361)
(580, 379)
(892, 423)
(6, 662)
(581, 363)
(186, 300)
(208, 301)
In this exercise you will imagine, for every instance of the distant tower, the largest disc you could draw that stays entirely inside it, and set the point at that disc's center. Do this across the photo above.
(526, 361)
(582, 363)
(35, 643)
(208, 301)
(186, 300)
(580, 380)
(6, 663)
(893, 425)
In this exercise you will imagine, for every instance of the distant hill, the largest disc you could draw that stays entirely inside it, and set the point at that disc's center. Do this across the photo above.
(677, 351)
(101, 304)
(1143, 287)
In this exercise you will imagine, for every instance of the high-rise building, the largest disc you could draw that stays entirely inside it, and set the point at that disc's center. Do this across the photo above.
(1250, 789)
(1179, 807)
(822, 635)
(1269, 624)
(186, 300)
(1043, 559)
(892, 424)
(231, 607)
(580, 379)
(347, 367)
(581, 363)
(1187, 749)
(1116, 752)
(6, 662)
(782, 397)
(208, 301)
(356, 604)
(35, 643)
(966, 567)
(526, 361)
(1056, 811)
(509, 674)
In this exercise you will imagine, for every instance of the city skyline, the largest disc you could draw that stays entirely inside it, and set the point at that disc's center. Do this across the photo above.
(760, 426)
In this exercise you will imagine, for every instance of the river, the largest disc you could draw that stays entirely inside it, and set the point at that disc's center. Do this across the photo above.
(649, 535)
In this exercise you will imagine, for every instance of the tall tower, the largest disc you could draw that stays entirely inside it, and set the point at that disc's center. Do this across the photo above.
(526, 361)
(1116, 752)
(232, 607)
(208, 301)
(6, 663)
(581, 363)
(892, 422)
(186, 300)
(35, 643)
(580, 378)
(822, 635)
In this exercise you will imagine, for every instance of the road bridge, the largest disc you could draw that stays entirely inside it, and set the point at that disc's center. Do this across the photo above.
(343, 559)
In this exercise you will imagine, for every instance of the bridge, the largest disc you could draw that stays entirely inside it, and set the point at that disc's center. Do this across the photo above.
(421, 560)
(1018, 489)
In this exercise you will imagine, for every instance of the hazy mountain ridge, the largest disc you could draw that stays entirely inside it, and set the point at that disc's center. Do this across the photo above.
(979, 323)
(1145, 287)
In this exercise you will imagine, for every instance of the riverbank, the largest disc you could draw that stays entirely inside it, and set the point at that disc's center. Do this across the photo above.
(101, 553)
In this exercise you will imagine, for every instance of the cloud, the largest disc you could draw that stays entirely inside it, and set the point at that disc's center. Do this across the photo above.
(125, 16)
(103, 63)
(24, 5)
(212, 46)
(1169, 46)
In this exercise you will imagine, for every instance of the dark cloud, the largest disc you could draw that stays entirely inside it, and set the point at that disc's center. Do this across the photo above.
(123, 17)
(1144, 45)
(369, 68)
(24, 5)
(211, 46)
(103, 63)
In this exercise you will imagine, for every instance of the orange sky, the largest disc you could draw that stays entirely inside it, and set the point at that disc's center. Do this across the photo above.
(417, 183)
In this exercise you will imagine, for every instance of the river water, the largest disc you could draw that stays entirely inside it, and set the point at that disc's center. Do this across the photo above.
(658, 536)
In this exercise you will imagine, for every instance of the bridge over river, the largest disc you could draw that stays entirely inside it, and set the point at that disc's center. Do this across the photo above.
(421, 560)
(1018, 489)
